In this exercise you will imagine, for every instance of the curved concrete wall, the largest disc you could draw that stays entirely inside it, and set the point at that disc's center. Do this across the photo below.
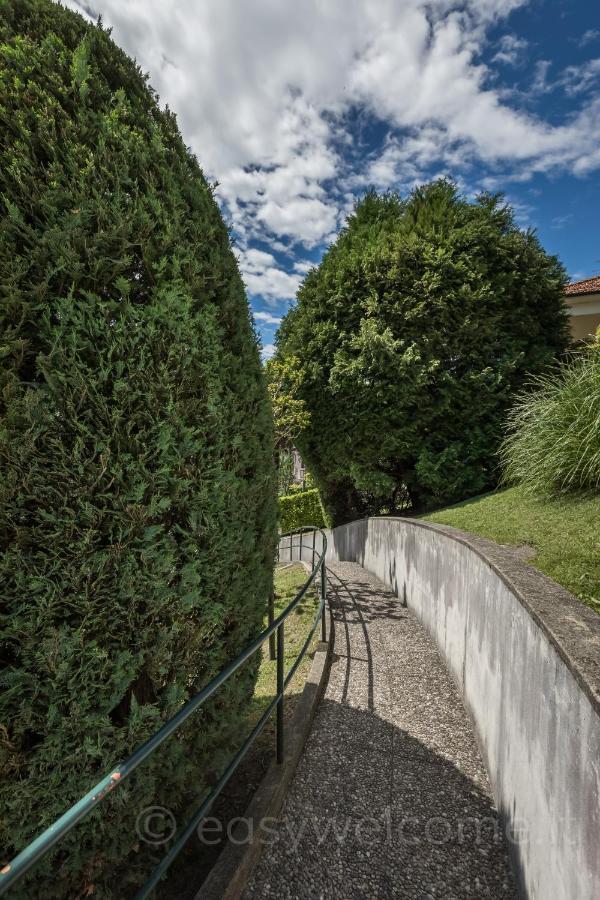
(526, 656)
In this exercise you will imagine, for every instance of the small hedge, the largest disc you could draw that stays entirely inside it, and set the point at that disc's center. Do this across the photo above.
(301, 509)
(137, 486)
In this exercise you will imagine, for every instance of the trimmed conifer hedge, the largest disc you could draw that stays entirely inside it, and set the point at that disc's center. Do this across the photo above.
(410, 340)
(137, 492)
(300, 509)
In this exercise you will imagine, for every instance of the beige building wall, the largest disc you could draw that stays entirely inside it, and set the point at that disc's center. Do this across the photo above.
(585, 314)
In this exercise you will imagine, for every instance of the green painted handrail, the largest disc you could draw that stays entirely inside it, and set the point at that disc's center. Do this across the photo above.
(16, 869)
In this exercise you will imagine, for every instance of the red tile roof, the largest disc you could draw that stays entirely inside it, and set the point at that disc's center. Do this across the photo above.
(587, 286)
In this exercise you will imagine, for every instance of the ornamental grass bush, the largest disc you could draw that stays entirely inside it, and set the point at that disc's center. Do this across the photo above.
(553, 445)
(137, 492)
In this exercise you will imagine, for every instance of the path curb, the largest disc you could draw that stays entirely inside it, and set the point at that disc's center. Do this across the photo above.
(229, 876)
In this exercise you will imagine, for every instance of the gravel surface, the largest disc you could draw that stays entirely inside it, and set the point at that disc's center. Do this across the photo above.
(390, 798)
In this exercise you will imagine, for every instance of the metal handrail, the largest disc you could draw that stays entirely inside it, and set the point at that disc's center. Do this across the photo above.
(16, 869)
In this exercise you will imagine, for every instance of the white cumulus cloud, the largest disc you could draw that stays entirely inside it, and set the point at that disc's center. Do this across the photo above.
(264, 278)
(267, 352)
(264, 91)
(267, 318)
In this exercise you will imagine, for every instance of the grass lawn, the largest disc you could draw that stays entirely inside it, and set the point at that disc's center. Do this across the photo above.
(288, 581)
(565, 534)
(195, 862)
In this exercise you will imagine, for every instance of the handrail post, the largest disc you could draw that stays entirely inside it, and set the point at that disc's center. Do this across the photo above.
(313, 548)
(291, 546)
(271, 609)
(280, 746)
(324, 598)
(271, 617)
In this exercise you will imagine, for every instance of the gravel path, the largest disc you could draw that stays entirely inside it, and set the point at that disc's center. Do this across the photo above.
(390, 798)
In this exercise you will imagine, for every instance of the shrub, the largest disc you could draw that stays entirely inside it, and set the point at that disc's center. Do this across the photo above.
(137, 493)
(412, 336)
(302, 508)
(553, 445)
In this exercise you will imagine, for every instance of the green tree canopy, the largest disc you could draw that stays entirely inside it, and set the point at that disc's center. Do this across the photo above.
(290, 415)
(137, 487)
(412, 335)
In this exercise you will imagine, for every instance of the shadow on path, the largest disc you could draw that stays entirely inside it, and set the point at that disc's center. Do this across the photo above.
(390, 798)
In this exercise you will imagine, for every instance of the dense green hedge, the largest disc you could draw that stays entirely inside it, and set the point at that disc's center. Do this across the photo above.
(411, 338)
(137, 492)
(301, 508)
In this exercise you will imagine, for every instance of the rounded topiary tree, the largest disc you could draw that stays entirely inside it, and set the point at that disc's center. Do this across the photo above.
(137, 493)
(413, 334)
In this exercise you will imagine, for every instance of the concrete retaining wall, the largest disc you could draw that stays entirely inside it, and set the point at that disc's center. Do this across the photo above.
(299, 548)
(526, 656)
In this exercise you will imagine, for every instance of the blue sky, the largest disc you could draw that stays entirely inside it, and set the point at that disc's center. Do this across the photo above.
(297, 106)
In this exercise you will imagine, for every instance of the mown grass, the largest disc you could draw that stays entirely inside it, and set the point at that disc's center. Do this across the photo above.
(197, 859)
(565, 533)
(288, 581)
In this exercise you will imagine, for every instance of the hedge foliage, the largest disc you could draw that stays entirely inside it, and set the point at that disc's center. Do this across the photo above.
(553, 445)
(413, 334)
(137, 492)
(300, 509)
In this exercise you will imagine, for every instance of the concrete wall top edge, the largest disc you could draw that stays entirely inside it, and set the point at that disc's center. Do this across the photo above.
(572, 627)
